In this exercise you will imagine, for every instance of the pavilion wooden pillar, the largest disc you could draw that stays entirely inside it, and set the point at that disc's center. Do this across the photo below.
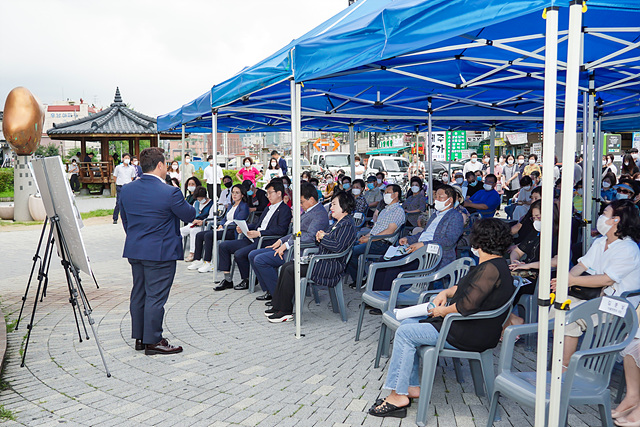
(153, 142)
(83, 148)
(131, 147)
(137, 146)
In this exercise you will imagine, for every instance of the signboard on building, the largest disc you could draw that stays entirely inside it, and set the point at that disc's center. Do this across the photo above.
(536, 148)
(636, 140)
(373, 142)
(391, 142)
(612, 143)
(438, 146)
(456, 144)
(516, 138)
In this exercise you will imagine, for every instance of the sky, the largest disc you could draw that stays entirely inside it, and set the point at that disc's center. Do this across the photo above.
(161, 54)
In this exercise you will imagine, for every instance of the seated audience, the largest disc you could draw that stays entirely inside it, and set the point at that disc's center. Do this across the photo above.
(390, 219)
(523, 200)
(485, 201)
(415, 203)
(373, 194)
(471, 185)
(627, 413)
(265, 262)
(486, 287)
(257, 198)
(610, 265)
(288, 192)
(274, 221)
(225, 194)
(358, 194)
(190, 187)
(525, 224)
(326, 272)
(202, 206)
(239, 210)
(315, 182)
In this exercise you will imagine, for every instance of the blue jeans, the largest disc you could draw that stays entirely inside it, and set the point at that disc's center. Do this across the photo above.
(378, 247)
(404, 366)
(266, 265)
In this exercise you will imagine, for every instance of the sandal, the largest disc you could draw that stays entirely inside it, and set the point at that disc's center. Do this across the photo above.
(386, 409)
(379, 402)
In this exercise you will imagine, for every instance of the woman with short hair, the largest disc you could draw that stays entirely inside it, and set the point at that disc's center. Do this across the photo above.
(248, 172)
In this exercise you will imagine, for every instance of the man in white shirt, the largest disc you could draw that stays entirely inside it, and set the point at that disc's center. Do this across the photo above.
(187, 169)
(473, 165)
(124, 173)
(212, 178)
(360, 169)
(225, 195)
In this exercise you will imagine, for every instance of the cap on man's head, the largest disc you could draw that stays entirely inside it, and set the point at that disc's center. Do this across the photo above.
(371, 178)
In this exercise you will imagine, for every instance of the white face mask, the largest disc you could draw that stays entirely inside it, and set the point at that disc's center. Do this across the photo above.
(274, 164)
(579, 190)
(488, 187)
(440, 206)
(379, 181)
(475, 252)
(532, 162)
(174, 167)
(286, 186)
(537, 225)
(510, 161)
(606, 184)
(445, 179)
(474, 159)
(357, 163)
(187, 160)
(621, 196)
(635, 156)
(191, 188)
(356, 191)
(527, 188)
(520, 161)
(247, 164)
(211, 162)
(135, 162)
(459, 181)
(388, 198)
(126, 161)
(602, 226)
(415, 189)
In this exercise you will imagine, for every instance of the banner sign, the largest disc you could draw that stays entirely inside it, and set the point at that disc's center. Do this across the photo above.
(456, 144)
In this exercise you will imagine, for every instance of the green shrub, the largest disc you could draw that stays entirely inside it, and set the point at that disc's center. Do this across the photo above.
(6, 179)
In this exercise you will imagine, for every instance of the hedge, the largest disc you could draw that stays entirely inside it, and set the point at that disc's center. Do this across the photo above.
(6, 179)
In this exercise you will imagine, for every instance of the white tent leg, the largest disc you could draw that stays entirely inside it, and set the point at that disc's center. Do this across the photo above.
(429, 153)
(492, 148)
(566, 205)
(546, 236)
(183, 182)
(352, 151)
(214, 200)
(588, 171)
(295, 155)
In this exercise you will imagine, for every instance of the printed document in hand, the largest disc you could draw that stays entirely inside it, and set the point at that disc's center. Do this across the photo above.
(243, 226)
(413, 311)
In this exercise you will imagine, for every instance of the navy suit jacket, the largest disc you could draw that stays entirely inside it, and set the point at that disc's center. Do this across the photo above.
(283, 165)
(278, 224)
(241, 213)
(151, 213)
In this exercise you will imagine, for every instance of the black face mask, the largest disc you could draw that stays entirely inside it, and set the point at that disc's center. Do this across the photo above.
(228, 184)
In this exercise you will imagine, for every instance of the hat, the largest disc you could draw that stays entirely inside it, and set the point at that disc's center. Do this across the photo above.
(458, 191)
(371, 178)
(625, 186)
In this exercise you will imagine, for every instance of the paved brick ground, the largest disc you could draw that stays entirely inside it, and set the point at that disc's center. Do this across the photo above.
(236, 368)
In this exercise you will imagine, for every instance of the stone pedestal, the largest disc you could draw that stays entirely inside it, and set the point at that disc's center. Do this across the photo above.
(24, 186)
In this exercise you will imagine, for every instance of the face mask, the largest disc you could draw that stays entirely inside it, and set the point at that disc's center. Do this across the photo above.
(174, 167)
(445, 179)
(250, 193)
(532, 162)
(357, 163)
(579, 190)
(475, 252)
(126, 161)
(459, 181)
(388, 198)
(228, 184)
(537, 225)
(211, 162)
(415, 189)
(488, 187)
(135, 162)
(479, 178)
(187, 160)
(286, 186)
(440, 206)
(474, 160)
(621, 196)
(606, 184)
(635, 156)
(247, 164)
(473, 184)
(346, 185)
(379, 181)
(371, 186)
(356, 191)
(191, 188)
(501, 161)
(510, 161)
(201, 201)
(521, 161)
(527, 188)
(602, 226)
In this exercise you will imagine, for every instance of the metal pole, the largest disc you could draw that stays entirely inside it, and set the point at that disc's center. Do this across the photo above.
(588, 171)
(597, 164)
(546, 235)
(430, 154)
(492, 147)
(566, 205)
(182, 181)
(214, 201)
(295, 155)
(352, 151)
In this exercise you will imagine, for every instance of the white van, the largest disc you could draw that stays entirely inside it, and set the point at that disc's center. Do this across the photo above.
(320, 162)
(394, 168)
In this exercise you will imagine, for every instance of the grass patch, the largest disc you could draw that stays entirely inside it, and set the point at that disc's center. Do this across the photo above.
(8, 193)
(11, 325)
(6, 414)
(97, 213)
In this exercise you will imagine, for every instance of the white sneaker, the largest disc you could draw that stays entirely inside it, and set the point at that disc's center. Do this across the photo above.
(196, 265)
(206, 267)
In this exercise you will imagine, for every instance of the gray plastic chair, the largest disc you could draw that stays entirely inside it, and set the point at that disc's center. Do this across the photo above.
(529, 304)
(252, 274)
(380, 299)
(481, 363)
(336, 293)
(422, 283)
(586, 380)
(366, 257)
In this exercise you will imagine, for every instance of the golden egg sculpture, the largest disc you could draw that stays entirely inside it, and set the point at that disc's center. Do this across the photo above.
(23, 121)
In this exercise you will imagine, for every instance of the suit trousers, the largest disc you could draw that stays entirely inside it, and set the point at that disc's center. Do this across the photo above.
(152, 282)
(116, 210)
(240, 250)
(266, 265)
(204, 243)
(285, 290)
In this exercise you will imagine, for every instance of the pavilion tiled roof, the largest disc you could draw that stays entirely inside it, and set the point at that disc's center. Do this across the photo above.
(115, 120)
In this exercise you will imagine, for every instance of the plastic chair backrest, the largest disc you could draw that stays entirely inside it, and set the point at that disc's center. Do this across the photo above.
(454, 272)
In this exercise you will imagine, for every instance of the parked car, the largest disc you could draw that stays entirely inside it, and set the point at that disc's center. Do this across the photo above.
(320, 162)
(305, 165)
(394, 168)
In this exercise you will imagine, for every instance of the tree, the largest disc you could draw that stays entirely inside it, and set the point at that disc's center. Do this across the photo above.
(48, 150)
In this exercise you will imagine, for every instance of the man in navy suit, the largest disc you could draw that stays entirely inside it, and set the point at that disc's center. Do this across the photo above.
(281, 162)
(274, 221)
(151, 212)
(265, 262)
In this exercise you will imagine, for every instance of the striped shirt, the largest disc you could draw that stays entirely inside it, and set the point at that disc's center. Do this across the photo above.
(391, 214)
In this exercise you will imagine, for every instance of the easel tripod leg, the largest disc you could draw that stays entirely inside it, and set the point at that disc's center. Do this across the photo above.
(36, 257)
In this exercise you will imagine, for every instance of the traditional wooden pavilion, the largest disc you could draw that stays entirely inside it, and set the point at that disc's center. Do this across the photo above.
(116, 123)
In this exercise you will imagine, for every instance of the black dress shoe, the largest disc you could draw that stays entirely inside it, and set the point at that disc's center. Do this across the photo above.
(139, 345)
(268, 303)
(163, 347)
(243, 285)
(264, 297)
(225, 284)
